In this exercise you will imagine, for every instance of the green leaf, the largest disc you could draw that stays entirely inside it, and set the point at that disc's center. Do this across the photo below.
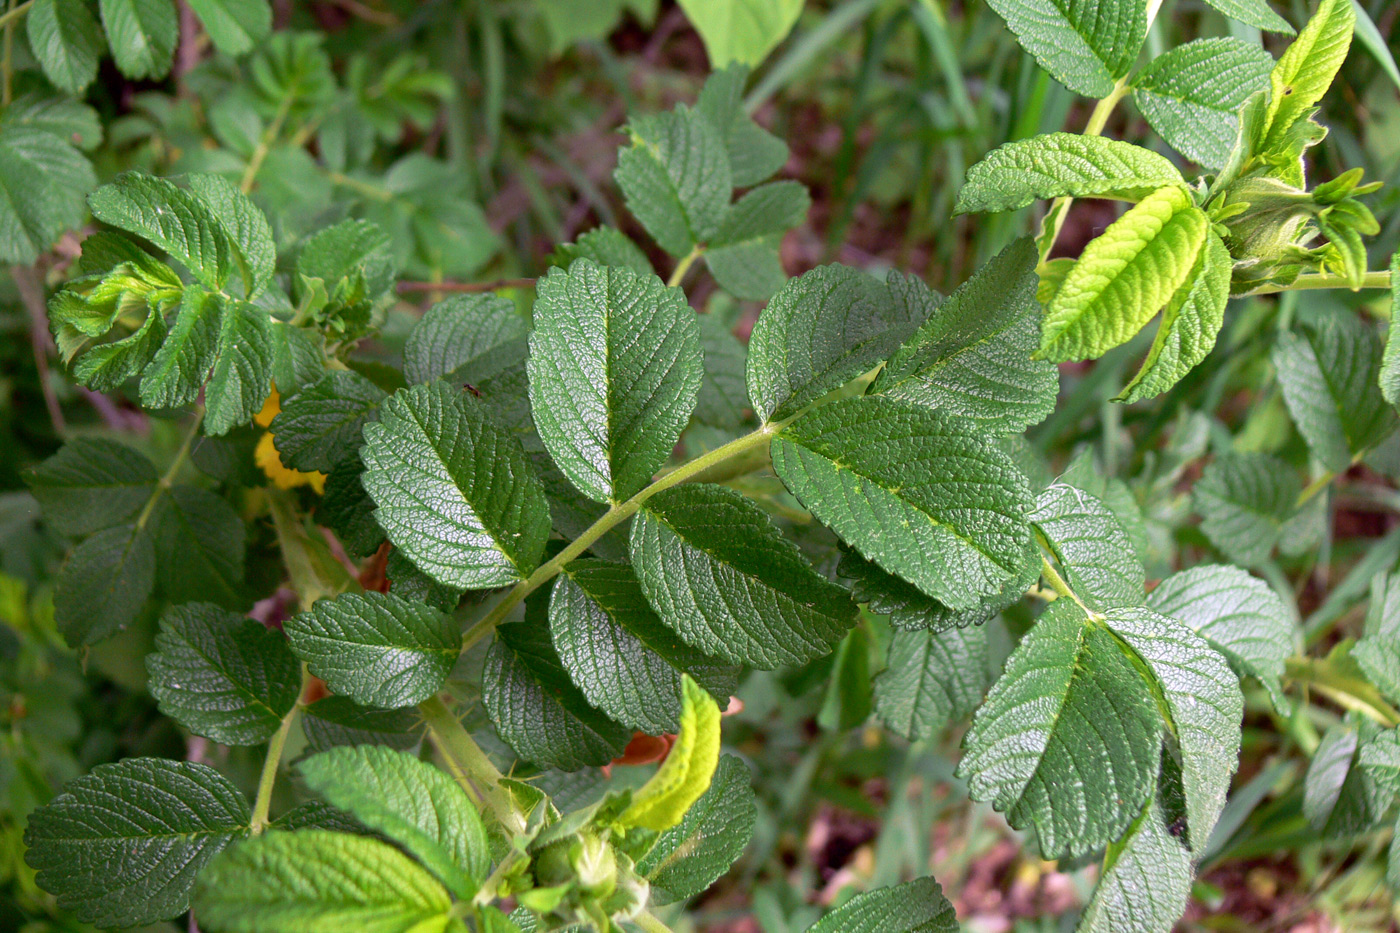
(689, 767)
(1084, 44)
(347, 510)
(182, 364)
(743, 31)
(242, 376)
(1255, 13)
(1203, 703)
(410, 802)
(235, 26)
(1190, 323)
(320, 425)
(376, 648)
(1389, 377)
(91, 483)
(723, 396)
(472, 336)
(743, 254)
(691, 855)
(316, 881)
(1193, 93)
(537, 709)
(200, 541)
(913, 907)
(454, 489)
(1305, 70)
(1059, 165)
(607, 246)
(1091, 546)
(1340, 798)
(143, 35)
(923, 494)
(222, 676)
(1244, 501)
(173, 219)
(972, 356)
(1377, 652)
(122, 845)
(721, 574)
(1330, 376)
(823, 329)
(245, 225)
(627, 663)
(933, 679)
(615, 368)
(1068, 742)
(334, 721)
(348, 249)
(67, 42)
(1146, 881)
(300, 359)
(104, 583)
(42, 178)
(909, 608)
(1124, 277)
(754, 153)
(104, 368)
(1241, 616)
(676, 178)
(405, 579)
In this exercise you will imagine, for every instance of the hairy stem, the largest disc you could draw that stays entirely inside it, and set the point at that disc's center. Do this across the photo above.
(469, 764)
(1320, 280)
(610, 519)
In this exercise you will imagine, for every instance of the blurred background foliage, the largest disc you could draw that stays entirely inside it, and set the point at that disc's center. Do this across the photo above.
(479, 134)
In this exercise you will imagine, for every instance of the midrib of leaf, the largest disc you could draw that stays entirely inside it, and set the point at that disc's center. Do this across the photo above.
(495, 534)
(247, 695)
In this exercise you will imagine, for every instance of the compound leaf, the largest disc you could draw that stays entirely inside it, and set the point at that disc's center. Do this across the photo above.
(376, 648)
(454, 490)
(623, 658)
(173, 219)
(1068, 742)
(411, 802)
(1238, 614)
(615, 368)
(721, 574)
(972, 357)
(316, 881)
(221, 675)
(122, 845)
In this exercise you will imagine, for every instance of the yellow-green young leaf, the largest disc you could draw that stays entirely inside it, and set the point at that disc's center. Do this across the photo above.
(685, 774)
(1305, 71)
(1124, 277)
(742, 31)
(1190, 323)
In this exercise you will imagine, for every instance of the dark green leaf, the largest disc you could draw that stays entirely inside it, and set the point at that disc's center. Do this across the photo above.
(1083, 43)
(676, 177)
(67, 42)
(171, 218)
(1091, 546)
(199, 541)
(472, 336)
(334, 721)
(104, 583)
(932, 679)
(320, 426)
(913, 907)
(91, 484)
(143, 35)
(1244, 500)
(242, 376)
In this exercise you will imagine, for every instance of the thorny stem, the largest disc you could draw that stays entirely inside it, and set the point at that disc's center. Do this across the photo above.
(469, 764)
(617, 513)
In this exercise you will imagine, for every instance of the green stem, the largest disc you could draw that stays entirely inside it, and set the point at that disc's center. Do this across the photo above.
(617, 513)
(269, 136)
(1313, 488)
(469, 764)
(1320, 280)
(682, 267)
(15, 12)
(272, 762)
(167, 479)
(1059, 209)
(1347, 692)
(314, 571)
